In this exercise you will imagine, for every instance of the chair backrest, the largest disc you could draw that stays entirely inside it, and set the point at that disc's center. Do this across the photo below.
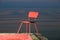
(33, 14)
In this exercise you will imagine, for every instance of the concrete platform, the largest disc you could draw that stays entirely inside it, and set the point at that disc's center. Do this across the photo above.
(20, 36)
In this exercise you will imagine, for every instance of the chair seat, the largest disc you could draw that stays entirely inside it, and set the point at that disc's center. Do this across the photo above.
(25, 22)
(28, 21)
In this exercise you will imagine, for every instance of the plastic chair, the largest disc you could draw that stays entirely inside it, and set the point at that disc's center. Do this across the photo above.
(31, 15)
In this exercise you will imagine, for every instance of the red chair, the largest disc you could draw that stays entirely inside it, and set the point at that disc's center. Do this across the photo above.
(31, 15)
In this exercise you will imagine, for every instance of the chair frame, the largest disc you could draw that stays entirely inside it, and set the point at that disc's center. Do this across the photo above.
(28, 23)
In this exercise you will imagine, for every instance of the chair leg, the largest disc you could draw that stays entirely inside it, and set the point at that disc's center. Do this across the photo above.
(27, 27)
(19, 28)
(36, 27)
